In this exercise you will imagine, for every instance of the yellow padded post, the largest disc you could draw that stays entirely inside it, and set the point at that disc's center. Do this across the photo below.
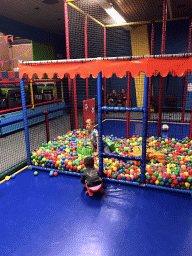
(140, 47)
(32, 96)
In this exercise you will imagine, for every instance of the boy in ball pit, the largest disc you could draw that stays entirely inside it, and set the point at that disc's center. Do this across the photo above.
(93, 136)
(90, 177)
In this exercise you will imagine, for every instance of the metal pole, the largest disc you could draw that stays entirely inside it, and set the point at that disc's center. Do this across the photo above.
(161, 78)
(190, 135)
(128, 102)
(68, 56)
(66, 29)
(75, 102)
(105, 81)
(150, 79)
(144, 139)
(99, 93)
(86, 55)
(47, 125)
(185, 81)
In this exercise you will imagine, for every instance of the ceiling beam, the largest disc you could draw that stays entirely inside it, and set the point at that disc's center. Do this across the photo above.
(143, 22)
(79, 10)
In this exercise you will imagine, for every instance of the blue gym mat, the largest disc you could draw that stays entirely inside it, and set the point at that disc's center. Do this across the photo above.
(53, 216)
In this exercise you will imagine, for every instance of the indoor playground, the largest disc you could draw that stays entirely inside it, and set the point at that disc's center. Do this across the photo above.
(134, 81)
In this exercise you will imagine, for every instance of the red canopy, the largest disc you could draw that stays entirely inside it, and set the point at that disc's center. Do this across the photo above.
(178, 66)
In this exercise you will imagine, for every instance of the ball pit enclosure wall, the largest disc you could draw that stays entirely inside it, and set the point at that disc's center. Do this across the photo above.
(124, 168)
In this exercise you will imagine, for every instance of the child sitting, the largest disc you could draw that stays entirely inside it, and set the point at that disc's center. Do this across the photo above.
(93, 136)
(90, 177)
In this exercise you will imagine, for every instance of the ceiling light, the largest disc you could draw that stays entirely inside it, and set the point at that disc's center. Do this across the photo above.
(115, 15)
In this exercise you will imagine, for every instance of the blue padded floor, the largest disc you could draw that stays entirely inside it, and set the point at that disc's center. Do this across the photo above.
(53, 216)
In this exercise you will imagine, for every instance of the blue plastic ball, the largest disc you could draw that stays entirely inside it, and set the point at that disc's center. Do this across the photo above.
(179, 179)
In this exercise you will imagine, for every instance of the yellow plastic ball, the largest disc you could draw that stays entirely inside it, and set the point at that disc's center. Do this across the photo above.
(114, 169)
(187, 184)
(157, 182)
(168, 170)
(7, 178)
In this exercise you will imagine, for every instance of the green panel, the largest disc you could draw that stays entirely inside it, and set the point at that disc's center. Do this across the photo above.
(43, 51)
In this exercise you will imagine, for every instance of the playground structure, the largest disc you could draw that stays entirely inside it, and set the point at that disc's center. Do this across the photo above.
(81, 75)
(177, 64)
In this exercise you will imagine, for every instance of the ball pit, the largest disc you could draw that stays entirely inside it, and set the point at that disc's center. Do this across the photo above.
(61, 154)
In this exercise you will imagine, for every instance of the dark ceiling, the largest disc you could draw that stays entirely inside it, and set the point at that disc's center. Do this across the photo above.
(49, 14)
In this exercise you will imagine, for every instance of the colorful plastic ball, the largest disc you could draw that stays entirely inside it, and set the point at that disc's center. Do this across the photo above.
(13, 176)
(165, 127)
(7, 178)
(55, 174)
(51, 174)
(35, 173)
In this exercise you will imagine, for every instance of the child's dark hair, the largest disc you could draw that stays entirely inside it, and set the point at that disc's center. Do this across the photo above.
(89, 162)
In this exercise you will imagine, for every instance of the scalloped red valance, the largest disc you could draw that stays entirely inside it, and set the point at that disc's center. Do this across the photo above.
(178, 66)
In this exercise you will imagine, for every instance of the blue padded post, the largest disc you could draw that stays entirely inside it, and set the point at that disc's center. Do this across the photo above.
(99, 96)
(25, 121)
(145, 118)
